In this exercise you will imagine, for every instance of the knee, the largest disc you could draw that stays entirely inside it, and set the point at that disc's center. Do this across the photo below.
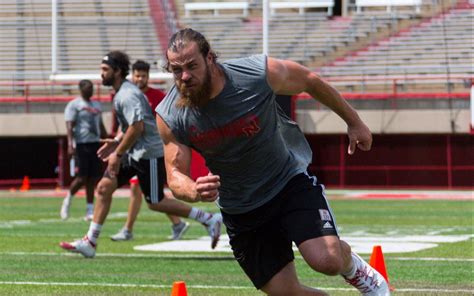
(104, 191)
(329, 264)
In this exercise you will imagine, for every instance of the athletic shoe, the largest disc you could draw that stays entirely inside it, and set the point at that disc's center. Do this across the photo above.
(83, 246)
(123, 235)
(65, 208)
(178, 230)
(213, 227)
(367, 280)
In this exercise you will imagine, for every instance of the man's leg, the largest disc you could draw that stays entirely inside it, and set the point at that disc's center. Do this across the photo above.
(332, 256)
(134, 206)
(285, 283)
(158, 200)
(90, 188)
(87, 245)
(76, 184)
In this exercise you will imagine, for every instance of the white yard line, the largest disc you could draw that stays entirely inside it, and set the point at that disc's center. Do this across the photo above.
(449, 291)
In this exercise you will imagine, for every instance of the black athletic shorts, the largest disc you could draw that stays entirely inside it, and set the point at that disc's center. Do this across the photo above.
(87, 162)
(261, 239)
(151, 175)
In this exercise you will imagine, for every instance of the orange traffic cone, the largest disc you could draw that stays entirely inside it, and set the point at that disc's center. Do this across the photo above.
(378, 262)
(179, 289)
(25, 185)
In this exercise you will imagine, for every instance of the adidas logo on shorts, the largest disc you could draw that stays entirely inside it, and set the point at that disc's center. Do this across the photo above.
(327, 225)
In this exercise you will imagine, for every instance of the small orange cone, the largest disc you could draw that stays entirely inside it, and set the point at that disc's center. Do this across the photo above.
(179, 289)
(25, 185)
(378, 262)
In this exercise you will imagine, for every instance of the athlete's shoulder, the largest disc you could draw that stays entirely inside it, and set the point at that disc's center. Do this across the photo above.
(73, 103)
(254, 62)
(128, 90)
(248, 72)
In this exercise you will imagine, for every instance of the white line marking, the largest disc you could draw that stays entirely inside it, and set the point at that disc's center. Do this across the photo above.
(209, 286)
(216, 256)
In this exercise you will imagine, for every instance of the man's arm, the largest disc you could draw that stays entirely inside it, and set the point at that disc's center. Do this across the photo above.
(70, 141)
(130, 136)
(107, 151)
(290, 78)
(178, 162)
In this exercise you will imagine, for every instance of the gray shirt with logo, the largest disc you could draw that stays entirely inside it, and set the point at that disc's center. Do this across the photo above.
(243, 135)
(86, 117)
(131, 106)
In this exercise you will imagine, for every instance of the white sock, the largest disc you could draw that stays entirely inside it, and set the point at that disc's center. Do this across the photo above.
(94, 232)
(199, 215)
(90, 208)
(351, 273)
(68, 196)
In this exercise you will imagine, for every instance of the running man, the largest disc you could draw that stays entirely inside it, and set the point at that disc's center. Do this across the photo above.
(140, 77)
(259, 160)
(141, 146)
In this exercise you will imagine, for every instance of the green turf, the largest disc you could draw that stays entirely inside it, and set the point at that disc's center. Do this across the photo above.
(29, 254)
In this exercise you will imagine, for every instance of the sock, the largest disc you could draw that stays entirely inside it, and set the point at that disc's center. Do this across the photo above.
(90, 208)
(94, 232)
(199, 215)
(351, 273)
(68, 196)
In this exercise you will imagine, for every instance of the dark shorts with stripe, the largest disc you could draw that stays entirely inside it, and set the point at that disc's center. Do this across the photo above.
(151, 176)
(262, 239)
(87, 162)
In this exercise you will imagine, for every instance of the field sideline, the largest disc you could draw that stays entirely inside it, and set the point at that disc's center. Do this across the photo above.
(31, 263)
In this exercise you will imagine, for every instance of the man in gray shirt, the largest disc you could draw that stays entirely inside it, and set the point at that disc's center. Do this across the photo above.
(84, 129)
(137, 150)
(258, 159)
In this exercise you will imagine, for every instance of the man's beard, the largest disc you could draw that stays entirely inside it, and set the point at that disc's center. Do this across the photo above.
(198, 98)
(108, 81)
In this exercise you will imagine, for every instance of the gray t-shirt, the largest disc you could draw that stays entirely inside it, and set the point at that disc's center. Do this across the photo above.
(86, 117)
(131, 106)
(243, 136)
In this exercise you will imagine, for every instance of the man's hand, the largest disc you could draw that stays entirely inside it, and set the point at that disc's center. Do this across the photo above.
(207, 187)
(113, 166)
(360, 137)
(108, 146)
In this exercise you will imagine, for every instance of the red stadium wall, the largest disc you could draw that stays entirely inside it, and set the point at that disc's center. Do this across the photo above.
(402, 161)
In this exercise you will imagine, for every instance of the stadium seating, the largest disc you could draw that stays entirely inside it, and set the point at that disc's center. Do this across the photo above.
(86, 30)
(435, 47)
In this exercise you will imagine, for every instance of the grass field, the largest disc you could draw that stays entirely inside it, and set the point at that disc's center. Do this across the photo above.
(31, 263)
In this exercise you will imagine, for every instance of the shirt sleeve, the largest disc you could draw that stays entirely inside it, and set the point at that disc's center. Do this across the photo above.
(132, 109)
(70, 113)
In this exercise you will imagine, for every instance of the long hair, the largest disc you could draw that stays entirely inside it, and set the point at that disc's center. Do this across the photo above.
(185, 36)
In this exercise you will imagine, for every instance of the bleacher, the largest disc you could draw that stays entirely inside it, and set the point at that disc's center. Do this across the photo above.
(86, 30)
(438, 46)
(310, 38)
(366, 43)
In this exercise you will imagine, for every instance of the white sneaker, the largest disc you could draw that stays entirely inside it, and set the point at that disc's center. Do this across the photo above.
(122, 235)
(85, 247)
(178, 230)
(367, 280)
(65, 208)
(213, 227)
